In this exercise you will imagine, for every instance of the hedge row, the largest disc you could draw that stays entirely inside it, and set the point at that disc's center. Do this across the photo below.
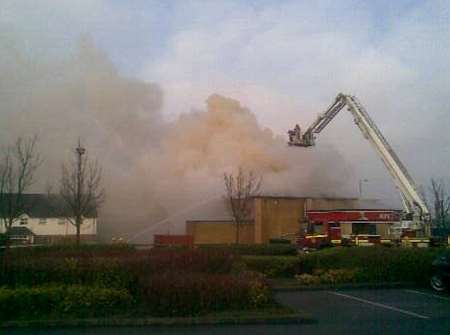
(190, 260)
(371, 264)
(273, 267)
(275, 249)
(165, 281)
(57, 301)
(69, 271)
(375, 264)
(72, 250)
(178, 294)
(117, 270)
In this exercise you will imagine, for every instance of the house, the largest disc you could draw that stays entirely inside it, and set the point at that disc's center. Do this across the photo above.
(41, 223)
(272, 217)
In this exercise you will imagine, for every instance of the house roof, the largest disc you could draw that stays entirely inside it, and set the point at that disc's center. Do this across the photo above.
(40, 205)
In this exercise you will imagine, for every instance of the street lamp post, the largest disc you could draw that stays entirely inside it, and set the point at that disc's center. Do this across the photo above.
(78, 220)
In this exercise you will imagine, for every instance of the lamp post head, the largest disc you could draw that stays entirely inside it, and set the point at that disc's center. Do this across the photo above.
(80, 150)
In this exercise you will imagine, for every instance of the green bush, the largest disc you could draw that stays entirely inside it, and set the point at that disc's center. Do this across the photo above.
(275, 249)
(332, 276)
(273, 267)
(308, 279)
(190, 260)
(178, 293)
(100, 272)
(58, 301)
(116, 271)
(375, 264)
(72, 250)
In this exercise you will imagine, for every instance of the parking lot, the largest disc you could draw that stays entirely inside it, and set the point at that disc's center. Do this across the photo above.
(359, 311)
(383, 311)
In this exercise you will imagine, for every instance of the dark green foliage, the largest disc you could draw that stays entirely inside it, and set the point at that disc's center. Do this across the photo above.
(178, 293)
(35, 271)
(276, 249)
(166, 281)
(118, 267)
(190, 260)
(374, 264)
(72, 250)
(275, 266)
(57, 301)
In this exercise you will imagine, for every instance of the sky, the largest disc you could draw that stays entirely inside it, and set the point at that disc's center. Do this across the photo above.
(283, 60)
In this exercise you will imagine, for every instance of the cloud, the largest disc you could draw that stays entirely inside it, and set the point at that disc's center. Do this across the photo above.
(287, 61)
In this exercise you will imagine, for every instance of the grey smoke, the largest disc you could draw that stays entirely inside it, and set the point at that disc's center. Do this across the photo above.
(152, 167)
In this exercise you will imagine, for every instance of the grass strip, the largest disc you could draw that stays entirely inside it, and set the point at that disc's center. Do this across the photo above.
(280, 315)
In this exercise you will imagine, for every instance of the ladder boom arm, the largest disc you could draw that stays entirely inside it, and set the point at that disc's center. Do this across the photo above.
(411, 198)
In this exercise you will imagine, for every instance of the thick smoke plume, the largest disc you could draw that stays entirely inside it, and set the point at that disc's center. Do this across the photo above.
(152, 168)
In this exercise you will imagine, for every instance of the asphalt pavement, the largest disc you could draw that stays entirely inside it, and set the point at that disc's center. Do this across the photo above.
(358, 311)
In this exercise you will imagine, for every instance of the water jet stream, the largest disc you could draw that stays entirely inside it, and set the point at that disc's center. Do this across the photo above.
(183, 211)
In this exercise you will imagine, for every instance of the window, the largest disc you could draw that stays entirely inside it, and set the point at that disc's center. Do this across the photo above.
(318, 228)
(43, 221)
(61, 220)
(364, 229)
(23, 220)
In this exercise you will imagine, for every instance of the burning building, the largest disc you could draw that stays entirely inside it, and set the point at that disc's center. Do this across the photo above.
(274, 217)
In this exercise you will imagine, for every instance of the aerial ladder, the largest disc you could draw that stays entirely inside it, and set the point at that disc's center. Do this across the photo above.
(416, 214)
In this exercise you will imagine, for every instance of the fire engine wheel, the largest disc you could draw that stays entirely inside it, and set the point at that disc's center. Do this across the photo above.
(437, 283)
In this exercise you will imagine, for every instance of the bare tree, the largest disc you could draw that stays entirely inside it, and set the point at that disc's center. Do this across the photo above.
(18, 164)
(240, 189)
(81, 190)
(441, 201)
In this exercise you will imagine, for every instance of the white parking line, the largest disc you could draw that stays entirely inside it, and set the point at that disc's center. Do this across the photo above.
(380, 305)
(428, 294)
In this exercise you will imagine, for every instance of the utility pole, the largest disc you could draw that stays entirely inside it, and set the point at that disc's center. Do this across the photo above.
(78, 219)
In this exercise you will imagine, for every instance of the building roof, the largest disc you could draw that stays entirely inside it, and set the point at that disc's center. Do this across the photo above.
(39, 205)
(216, 209)
(245, 222)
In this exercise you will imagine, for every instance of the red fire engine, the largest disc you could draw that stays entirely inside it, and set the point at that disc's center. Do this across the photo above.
(324, 227)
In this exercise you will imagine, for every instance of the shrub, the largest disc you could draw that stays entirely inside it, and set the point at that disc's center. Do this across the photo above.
(99, 272)
(72, 250)
(332, 276)
(338, 276)
(57, 301)
(308, 279)
(190, 260)
(175, 293)
(121, 271)
(375, 264)
(273, 267)
(275, 249)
